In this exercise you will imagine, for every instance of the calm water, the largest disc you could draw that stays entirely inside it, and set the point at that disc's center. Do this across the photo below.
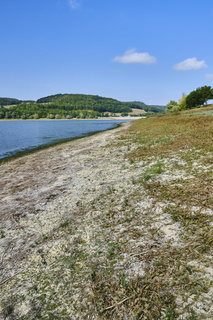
(18, 136)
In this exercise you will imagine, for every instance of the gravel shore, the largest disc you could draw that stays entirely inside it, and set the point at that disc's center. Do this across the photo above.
(37, 188)
(74, 222)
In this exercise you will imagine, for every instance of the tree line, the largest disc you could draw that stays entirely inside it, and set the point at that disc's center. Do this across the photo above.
(35, 111)
(195, 99)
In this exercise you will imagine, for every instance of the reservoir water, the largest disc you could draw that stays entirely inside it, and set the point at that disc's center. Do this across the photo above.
(19, 136)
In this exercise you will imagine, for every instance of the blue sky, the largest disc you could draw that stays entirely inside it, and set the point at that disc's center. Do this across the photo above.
(138, 50)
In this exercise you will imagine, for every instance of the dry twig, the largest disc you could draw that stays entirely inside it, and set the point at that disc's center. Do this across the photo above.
(117, 304)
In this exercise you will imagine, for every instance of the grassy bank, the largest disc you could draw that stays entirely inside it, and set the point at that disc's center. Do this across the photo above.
(129, 235)
(174, 154)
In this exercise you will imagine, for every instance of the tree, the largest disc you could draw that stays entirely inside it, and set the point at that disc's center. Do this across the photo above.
(182, 102)
(171, 105)
(50, 116)
(124, 114)
(199, 97)
(24, 116)
(2, 115)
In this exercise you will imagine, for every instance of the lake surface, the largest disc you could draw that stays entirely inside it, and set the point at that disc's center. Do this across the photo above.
(19, 136)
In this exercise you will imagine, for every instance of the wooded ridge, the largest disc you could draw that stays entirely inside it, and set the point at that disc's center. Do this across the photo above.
(69, 106)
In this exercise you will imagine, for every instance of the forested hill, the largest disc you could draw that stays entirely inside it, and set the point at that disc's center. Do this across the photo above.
(97, 103)
(11, 101)
(87, 102)
(69, 106)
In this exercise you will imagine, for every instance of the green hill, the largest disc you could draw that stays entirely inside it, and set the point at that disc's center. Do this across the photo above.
(148, 108)
(9, 101)
(12, 101)
(60, 106)
(86, 102)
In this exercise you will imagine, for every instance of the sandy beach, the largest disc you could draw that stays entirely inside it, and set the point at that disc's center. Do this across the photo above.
(31, 184)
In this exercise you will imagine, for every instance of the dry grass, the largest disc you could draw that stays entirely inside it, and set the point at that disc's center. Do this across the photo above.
(161, 135)
(198, 110)
(137, 111)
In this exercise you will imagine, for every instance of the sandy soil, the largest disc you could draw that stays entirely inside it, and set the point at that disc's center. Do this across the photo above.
(32, 187)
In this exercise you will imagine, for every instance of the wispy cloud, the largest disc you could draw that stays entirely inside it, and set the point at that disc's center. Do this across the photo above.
(131, 56)
(74, 4)
(209, 76)
(190, 64)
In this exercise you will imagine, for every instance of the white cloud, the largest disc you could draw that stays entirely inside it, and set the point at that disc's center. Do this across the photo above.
(131, 56)
(190, 64)
(209, 76)
(74, 4)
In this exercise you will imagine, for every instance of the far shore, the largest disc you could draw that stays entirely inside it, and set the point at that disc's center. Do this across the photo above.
(101, 118)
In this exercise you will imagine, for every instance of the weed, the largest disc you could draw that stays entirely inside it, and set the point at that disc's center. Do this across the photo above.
(126, 201)
(64, 224)
(170, 312)
(2, 234)
(145, 177)
(157, 168)
(134, 181)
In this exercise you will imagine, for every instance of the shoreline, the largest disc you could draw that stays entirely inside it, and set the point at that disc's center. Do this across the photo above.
(37, 180)
(75, 119)
(21, 154)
